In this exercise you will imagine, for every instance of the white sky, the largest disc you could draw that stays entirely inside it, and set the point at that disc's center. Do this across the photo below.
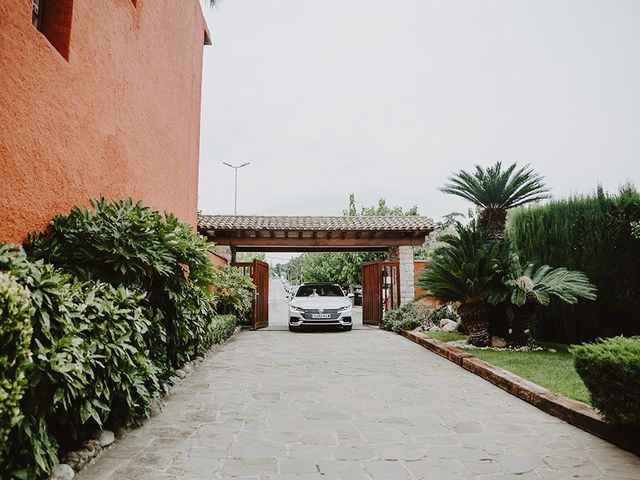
(386, 99)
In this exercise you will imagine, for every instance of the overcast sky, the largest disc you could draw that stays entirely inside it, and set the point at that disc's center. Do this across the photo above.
(386, 99)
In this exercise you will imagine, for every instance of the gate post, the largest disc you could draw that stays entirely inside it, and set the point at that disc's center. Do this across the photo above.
(407, 274)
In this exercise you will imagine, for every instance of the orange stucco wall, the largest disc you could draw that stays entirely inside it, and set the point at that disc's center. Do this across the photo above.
(120, 117)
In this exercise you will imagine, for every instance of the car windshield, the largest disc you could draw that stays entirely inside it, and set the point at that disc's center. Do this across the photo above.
(319, 291)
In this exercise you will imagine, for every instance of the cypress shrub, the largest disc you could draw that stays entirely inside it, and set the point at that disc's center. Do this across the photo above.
(611, 371)
(591, 234)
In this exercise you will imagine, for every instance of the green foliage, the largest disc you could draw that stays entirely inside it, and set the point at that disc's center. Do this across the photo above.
(591, 234)
(15, 336)
(379, 210)
(495, 188)
(221, 327)
(635, 229)
(407, 317)
(232, 290)
(128, 302)
(125, 243)
(611, 370)
(342, 268)
(463, 269)
(529, 284)
(447, 311)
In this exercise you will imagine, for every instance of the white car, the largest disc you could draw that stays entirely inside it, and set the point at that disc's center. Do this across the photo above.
(320, 304)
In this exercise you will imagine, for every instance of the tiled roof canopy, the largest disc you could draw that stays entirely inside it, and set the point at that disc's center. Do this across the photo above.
(340, 224)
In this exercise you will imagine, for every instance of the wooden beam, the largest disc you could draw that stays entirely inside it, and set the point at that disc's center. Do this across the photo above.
(286, 234)
(272, 233)
(257, 233)
(338, 242)
(329, 234)
(300, 234)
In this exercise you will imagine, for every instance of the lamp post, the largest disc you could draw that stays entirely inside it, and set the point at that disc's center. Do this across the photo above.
(235, 168)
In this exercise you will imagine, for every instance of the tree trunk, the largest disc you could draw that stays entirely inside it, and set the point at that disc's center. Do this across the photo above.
(475, 319)
(522, 320)
(493, 221)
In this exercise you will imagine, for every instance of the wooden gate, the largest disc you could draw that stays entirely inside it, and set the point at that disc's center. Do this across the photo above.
(259, 273)
(380, 290)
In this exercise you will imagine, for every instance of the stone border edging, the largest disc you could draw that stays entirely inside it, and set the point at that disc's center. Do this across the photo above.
(571, 411)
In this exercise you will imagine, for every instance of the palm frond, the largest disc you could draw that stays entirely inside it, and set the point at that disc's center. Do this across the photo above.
(495, 187)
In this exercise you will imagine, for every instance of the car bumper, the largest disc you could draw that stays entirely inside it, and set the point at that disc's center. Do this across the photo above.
(344, 319)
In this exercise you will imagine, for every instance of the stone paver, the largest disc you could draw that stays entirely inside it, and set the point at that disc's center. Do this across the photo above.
(365, 404)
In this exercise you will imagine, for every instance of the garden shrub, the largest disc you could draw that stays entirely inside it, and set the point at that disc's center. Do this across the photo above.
(447, 311)
(15, 338)
(592, 234)
(407, 317)
(232, 290)
(126, 303)
(221, 327)
(611, 371)
(125, 243)
(90, 363)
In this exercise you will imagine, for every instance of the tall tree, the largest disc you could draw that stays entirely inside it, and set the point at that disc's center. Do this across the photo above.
(495, 190)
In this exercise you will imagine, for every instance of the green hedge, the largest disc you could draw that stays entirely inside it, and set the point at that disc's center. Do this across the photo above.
(591, 234)
(119, 298)
(611, 371)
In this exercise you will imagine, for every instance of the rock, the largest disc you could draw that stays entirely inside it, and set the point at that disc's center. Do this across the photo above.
(448, 326)
(93, 447)
(498, 342)
(73, 460)
(62, 471)
(181, 373)
(106, 438)
(199, 359)
(187, 368)
(433, 329)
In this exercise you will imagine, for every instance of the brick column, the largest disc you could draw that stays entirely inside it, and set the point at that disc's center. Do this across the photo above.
(407, 275)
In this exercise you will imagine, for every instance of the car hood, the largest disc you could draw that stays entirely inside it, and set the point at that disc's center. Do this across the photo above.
(320, 302)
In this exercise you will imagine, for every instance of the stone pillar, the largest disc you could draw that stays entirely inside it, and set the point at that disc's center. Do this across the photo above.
(394, 254)
(407, 275)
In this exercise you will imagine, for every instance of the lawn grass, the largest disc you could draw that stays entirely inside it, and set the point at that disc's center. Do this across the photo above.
(446, 336)
(552, 370)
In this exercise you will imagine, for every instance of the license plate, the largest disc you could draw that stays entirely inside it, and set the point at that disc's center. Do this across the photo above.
(320, 315)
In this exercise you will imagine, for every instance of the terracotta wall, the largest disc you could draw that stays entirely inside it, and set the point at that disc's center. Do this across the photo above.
(419, 265)
(120, 117)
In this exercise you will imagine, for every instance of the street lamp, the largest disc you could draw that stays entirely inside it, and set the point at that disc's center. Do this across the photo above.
(235, 168)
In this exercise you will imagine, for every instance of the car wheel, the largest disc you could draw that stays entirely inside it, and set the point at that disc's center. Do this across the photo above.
(292, 328)
(347, 328)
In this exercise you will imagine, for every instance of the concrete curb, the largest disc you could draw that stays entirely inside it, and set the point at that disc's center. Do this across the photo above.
(571, 411)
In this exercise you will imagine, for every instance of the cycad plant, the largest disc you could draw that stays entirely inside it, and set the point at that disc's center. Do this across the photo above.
(495, 190)
(528, 287)
(463, 271)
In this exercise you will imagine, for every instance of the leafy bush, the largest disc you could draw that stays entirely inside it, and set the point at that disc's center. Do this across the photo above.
(126, 302)
(15, 337)
(407, 317)
(221, 327)
(611, 370)
(591, 234)
(125, 243)
(90, 363)
(447, 311)
(232, 290)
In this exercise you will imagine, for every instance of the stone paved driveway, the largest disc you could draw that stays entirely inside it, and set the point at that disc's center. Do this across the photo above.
(364, 404)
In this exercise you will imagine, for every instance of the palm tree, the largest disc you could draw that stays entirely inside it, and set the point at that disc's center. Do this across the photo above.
(495, 191)
(463, 271)
(528, 287)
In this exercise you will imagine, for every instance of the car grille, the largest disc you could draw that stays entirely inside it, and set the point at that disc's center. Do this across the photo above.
(331, 311)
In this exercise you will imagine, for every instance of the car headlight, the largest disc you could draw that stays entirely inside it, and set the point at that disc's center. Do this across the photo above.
(345, 308)
(295, 308)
